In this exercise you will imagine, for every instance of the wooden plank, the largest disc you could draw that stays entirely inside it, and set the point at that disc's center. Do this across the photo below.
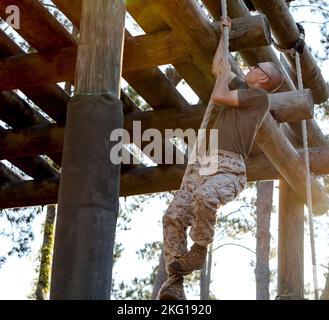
(282, 20)
(291, 245)
(149, 180)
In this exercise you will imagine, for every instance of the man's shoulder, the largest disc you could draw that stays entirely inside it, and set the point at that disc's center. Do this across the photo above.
(253, 98)
(237, 83)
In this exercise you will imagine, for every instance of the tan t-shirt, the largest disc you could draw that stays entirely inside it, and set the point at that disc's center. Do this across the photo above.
(237, 126)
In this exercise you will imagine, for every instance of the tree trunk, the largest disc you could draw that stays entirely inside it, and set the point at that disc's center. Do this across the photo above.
(263, 236)
(203, 282)
(161, 276)
(43, 284)
(205, 277)
(325, 293)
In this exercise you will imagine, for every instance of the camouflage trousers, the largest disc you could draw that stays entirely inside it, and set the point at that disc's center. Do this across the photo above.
(195, 205)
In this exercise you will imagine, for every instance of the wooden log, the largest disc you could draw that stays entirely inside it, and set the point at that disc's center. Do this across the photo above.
(34, 16)
(72, 9)
(287, 161)
(149, 180)
(143, 82)
(18, 114)
(292, 106)
(139, 54)
(7, 175)
(264, 203)
(89, 187)
(150, 21)
(291, 245)
(247, 32)
(282, 20)
(49, 138)
(50, 98)
(59, 65)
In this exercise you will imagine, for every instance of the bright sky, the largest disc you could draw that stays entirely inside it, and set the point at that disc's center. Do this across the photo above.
(233, 277)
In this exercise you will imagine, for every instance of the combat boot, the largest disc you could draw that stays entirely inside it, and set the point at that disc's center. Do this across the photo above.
(172, 289)
(190, 261)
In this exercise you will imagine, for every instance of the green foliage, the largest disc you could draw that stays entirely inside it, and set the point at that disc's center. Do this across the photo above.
(137, 99)
(16, 232)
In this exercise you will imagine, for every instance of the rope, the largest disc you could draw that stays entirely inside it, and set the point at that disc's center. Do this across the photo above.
(295, 52)
(202, 132)
(308, 182)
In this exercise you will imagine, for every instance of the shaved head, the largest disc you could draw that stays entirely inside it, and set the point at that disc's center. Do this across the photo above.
(276, 77)
(266, 75)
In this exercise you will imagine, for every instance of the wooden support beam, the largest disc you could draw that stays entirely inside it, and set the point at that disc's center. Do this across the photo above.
(157, 96)
(34, 16)
(291, 245)
(49, 138)
(50, 98)
(287, 161)
(247, 32)
(282, 20)
(7, 175)
(140, 53)
(89, 188)
(72, 9)
(149, 180)
(18, 114)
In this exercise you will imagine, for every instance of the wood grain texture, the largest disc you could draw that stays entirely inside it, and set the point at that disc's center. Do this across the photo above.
(291, 244)
(99, 60)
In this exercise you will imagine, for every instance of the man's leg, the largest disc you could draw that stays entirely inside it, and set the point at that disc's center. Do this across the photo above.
(178, 218)
(214, 191)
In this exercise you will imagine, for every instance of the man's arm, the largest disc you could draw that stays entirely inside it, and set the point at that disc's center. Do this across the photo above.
(224, 21)
(221, 94)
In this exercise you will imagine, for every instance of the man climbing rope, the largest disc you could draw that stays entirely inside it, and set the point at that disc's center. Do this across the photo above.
(196, 203)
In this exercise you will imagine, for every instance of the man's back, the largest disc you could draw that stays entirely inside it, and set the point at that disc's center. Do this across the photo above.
(237, 126)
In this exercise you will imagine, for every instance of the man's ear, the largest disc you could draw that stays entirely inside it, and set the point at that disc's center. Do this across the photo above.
(264, 79)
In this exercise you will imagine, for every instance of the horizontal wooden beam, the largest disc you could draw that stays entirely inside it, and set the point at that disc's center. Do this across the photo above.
(49, 138)
(147, 180)
(34, 16)
(141, 52)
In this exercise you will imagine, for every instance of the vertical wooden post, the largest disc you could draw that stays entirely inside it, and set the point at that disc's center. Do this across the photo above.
(291, 245)
(263, 236)
(90, 181)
